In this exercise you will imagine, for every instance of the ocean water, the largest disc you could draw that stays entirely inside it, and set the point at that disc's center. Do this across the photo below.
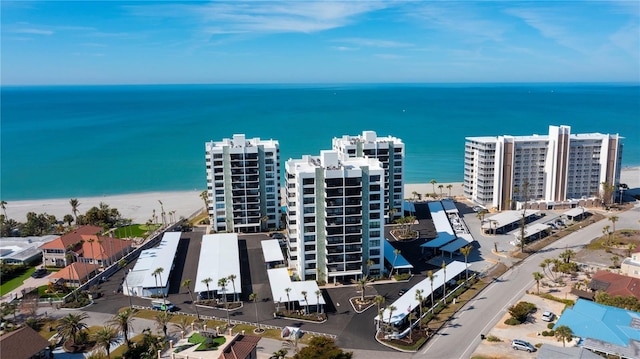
(74, 141)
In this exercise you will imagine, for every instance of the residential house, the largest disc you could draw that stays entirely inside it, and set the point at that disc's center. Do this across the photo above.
(23, 343)
(615, 284)
(631, 265)
(76, 273)
(54, 253)
(241, 347)
(103, 251)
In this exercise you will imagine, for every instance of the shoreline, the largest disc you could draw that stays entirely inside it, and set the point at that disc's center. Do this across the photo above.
(140, 206)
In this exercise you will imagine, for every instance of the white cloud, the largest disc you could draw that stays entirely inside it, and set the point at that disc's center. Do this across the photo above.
(628, 39)
(345, 48)
(548, 23)
(33, 31)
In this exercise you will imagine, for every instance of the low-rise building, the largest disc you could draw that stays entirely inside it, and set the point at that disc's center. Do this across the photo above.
(54, 253)
(615, 284)
(631, 265)
(24, 343)
(75, 273)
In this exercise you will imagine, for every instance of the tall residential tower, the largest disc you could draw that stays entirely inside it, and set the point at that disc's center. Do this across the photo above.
(556, 168)
(243, 184)
(335, 216)
(390, 152)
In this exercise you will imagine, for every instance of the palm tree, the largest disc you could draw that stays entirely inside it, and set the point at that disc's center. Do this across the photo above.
(158, 272)
(205, 197)
(392, 213)
(3, 205)
(563, 333)
(420, 299)
(613, 220)
(124, 320)
(162, 213)
(187, 284)
(412, 317)
(254, 298)
(379, 300)
(396, 252)
(433, 183)
(183, 325)
(287, 290)
(361, 284)
(630, 249)
(74, 207)
(444, 282)
(318, 293)
(431, 277)
(71, 324)
(222, 283)
(615, 260)
(93, 257)
(369, 263)
(105, 337)
(449, 187)
(232, 278)
(466, 250)
(162, 319)
(391, 308)
(537, 276)
(206, 282)
(304, 295)
(440, 187)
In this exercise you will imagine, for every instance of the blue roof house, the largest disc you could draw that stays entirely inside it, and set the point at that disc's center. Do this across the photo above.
(604, 329)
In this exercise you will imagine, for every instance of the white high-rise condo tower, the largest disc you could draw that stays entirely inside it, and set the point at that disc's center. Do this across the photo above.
(558, 169)
(335, 216)
(243, 184)
(390, 152)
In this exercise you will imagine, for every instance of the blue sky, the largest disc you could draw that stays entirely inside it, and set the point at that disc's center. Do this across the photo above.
(134, 42)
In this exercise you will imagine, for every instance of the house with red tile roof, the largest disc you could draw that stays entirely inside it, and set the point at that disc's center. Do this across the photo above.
(54, 253)
(615, 284)
(23, 343)
(103, 250)
(241, 347)
(75, 273)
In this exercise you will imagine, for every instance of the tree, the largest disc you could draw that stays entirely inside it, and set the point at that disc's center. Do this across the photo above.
(444, 282)
(606, 192)
(318, 293)
(288, 290)
(630, 249)
(521, 311)
(391, 308)
(158, 272)
(433, 183)
(440, 187)
(431, 276)
(206, 282)
(162, 213)
(162, 319)
(74, 207)
(254, 298)
(222, 283)
(605, 231)
(420, 299)
(105, 337)
(379, 300)
(321, 347)
(537, 276)
(396, 252)
(567, 255)
(205, 197)
(67, 219)
(466, 250)
(563, 333)
(449, 187)
(187, 284)
(232, 278)
(616, 261)
(613, 220)
(72, 324)
(369, 263)
(361, 284)
(306, 302)
(124, 320)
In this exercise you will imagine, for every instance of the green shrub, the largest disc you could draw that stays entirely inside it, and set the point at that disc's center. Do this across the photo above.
(512, 321)
(493, 338)
(550, 326)
(403, 276)
(549, 333)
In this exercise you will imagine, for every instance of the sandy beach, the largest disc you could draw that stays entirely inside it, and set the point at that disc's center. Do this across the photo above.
(140, 206)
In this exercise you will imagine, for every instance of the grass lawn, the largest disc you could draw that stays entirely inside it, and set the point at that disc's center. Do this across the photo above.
(119, 351)
(135, 230)
(14, 283)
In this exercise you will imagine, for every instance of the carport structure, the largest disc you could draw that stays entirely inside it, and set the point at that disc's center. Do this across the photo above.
(534, 231)
(273, 257)
(506, 221)
(395, 263)
(408, 302)
(219, 258)
(280, 281)
(443, 227)
(577, 213)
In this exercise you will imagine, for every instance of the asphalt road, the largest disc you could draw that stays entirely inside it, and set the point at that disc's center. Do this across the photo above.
(461, 336)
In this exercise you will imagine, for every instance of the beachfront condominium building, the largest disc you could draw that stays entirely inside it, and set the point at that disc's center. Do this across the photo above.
(335, 217)
(243, 184)
(558, 169)
(390, 152)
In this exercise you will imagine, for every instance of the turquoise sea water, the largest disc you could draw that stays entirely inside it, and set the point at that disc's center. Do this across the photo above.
(74, 141)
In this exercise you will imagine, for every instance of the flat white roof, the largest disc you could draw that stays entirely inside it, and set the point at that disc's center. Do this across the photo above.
(271, 251)
(507, 217)
(280, 280)
(532, 229)
(219, 258)
(455, 245)
(442, 224)
(575, 212)
(160, 256)
(407, 302)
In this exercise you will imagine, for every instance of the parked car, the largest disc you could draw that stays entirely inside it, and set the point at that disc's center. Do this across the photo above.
(518, 344)
(162, 305)
(402, 291)
(548, 316)
(39, 273)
